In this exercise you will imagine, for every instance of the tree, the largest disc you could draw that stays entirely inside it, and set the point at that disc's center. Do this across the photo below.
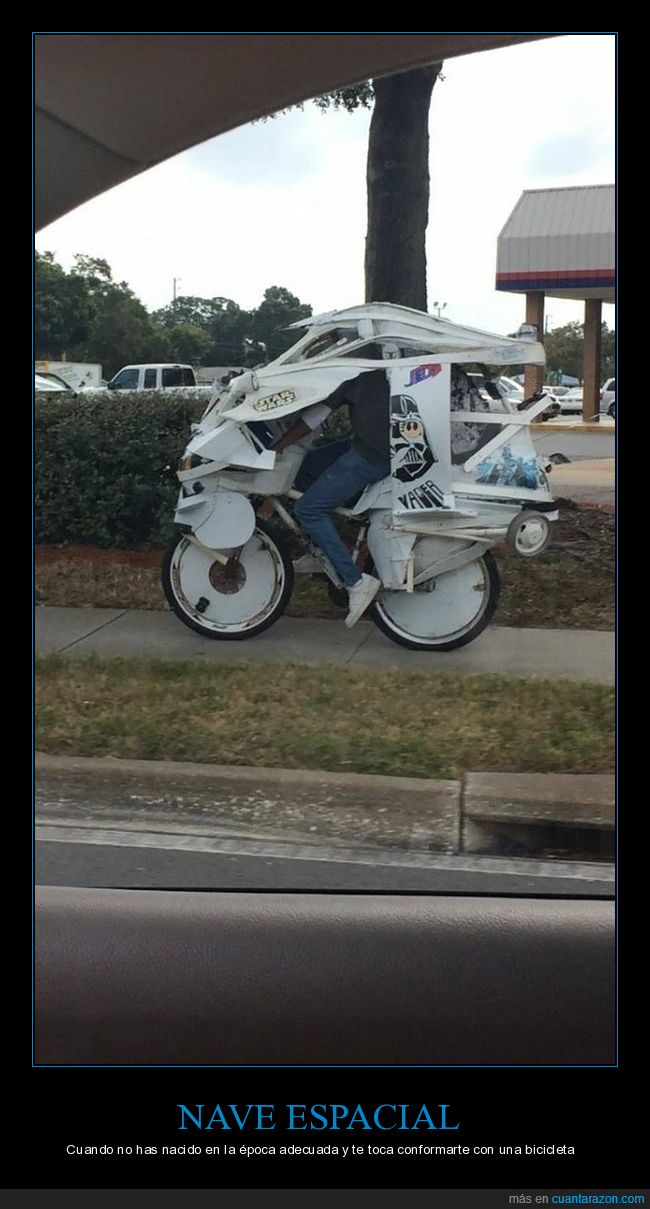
(397, 177)
(121, 329)
(228, 330)
(90, 317)
(222, 321)
(398, 188)
(200, 312)
(607, 353)
(62, 311)
(187, 342)
(565, 349)
(278, 309)
(235, 336)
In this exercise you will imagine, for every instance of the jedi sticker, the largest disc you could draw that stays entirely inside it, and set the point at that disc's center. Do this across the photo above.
(421, 372)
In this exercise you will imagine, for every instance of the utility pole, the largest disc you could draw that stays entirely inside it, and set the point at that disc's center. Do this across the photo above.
(176, 280)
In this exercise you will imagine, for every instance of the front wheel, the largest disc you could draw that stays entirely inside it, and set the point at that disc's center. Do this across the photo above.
(444, 613)
(233, 601)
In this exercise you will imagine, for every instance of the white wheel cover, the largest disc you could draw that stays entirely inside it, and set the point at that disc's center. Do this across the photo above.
(456, 603)
(240, 610)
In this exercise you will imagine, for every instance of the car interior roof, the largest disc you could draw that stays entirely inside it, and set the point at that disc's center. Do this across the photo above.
(110, 105)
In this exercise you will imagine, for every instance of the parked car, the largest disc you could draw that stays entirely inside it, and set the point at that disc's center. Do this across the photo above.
(513, 392)
(156, 376)
(44, 383)
(507, 387)
(608, 398)
(571, 402)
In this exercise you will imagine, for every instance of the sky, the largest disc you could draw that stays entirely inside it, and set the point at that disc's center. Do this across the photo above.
(283, 202)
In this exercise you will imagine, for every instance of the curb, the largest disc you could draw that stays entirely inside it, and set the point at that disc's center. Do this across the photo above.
(532, 813)
(480, 813)
(584, 800)
(530, 790)
(238, 773)
(397, 812)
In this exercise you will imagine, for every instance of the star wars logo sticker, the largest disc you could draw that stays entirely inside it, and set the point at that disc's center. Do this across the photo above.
(272, 401)
(412, 455)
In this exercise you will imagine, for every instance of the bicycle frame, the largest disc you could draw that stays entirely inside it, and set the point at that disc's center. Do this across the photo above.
(465, 476)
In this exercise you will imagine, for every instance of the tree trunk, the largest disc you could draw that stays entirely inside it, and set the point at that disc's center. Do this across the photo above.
(398, 188)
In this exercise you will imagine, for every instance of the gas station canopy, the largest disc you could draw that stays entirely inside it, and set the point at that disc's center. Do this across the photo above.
(560, 242)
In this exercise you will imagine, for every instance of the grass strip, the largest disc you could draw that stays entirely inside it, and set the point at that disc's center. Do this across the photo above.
(363, 720)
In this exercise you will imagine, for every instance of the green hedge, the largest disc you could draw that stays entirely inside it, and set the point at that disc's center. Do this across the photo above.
(106, 467)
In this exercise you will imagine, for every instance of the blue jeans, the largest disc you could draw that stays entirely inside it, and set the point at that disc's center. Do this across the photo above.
(337, 472)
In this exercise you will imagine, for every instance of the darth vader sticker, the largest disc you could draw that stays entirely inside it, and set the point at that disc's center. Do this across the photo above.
(412, 453)
(420, 439)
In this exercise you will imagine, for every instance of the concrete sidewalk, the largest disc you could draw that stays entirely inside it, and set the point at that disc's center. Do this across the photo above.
(563, 654)
(574, 423)
(590, 480)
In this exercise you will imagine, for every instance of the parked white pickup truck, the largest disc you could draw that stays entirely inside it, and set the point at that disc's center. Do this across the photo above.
(170, 376)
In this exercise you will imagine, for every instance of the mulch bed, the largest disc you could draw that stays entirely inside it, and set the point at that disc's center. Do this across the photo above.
(578, 527)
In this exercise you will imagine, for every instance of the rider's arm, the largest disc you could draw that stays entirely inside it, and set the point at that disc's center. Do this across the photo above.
(291, 436)
(311, 418)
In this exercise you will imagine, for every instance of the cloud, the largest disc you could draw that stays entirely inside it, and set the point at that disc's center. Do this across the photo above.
(291, 147)
(577, 153)
(278, 149)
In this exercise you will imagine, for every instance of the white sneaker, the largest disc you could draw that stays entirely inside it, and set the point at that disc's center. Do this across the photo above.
(361, 595)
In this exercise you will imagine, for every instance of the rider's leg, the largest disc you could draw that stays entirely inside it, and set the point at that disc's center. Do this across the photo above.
(344, 478)
(319, 460)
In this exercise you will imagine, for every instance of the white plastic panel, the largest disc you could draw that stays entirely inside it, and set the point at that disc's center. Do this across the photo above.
(390, 550)
(229, 446)
(229, 520)
(420, 438)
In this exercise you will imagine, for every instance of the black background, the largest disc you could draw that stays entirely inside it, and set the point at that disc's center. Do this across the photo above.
(591, 1109)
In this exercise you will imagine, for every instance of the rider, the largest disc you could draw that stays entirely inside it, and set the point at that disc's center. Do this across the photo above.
(343, 468)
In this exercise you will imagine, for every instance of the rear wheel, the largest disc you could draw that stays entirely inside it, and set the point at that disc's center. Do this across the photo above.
(444, 613)
(233, 601)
